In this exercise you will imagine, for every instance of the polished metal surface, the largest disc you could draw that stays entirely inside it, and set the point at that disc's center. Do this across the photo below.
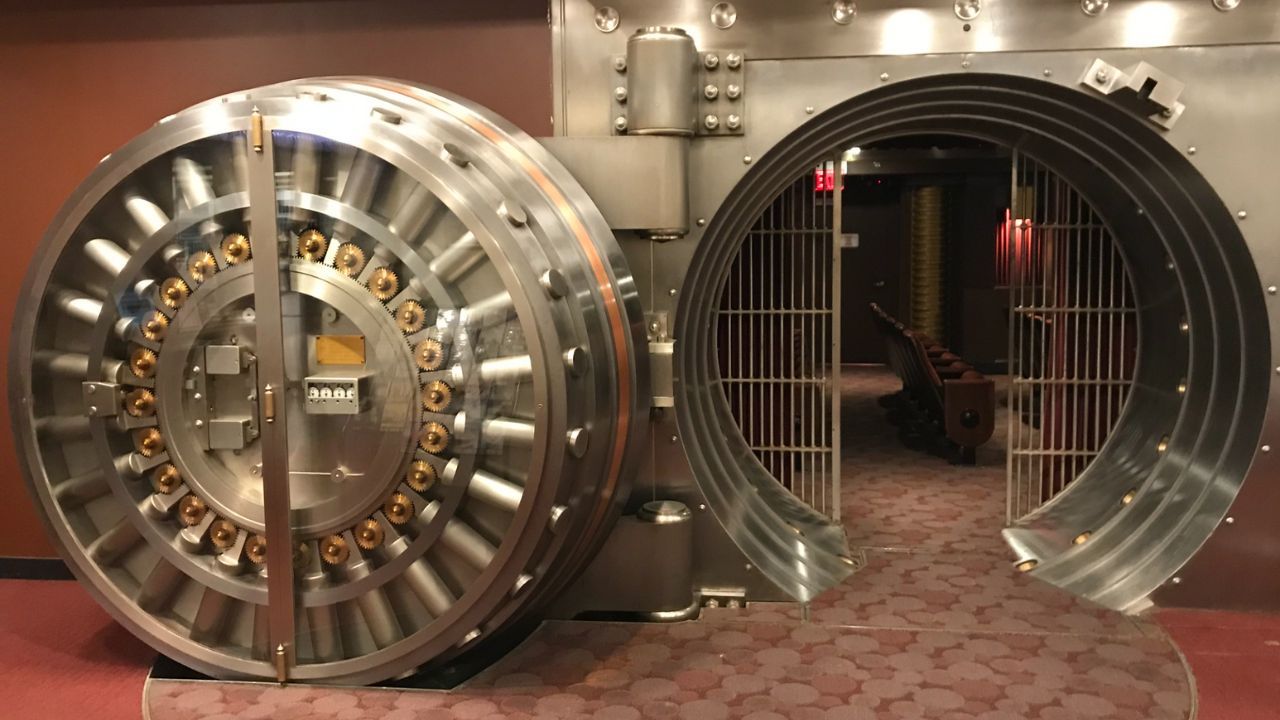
(376, 364)
(661, 77)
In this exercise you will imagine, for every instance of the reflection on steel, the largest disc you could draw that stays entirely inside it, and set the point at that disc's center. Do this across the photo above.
(774, 331)
(1072, 336)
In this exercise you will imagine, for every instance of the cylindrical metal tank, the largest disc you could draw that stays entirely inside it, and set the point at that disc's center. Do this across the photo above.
(662, 82)
(444, 387)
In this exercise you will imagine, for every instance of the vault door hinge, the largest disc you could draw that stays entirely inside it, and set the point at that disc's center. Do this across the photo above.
(1143, 88)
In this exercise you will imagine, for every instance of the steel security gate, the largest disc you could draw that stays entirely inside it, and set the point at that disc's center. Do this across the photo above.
(1072, 334)
(778, 339)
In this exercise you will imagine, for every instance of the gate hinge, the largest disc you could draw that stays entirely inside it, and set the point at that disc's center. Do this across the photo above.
(661, 373)
(1147, 89)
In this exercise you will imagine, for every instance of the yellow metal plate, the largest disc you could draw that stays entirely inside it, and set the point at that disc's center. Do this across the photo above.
(340, 349)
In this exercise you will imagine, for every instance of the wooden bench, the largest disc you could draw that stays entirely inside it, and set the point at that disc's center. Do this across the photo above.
(944, 401)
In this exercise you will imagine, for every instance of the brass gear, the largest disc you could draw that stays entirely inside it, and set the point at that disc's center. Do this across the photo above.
(140, 402)
(191, 510)
(429, 354)
(255, 548)
(334, 550)
(384, 284)
(236, 249)
(174, 292)
(437, 395)
(154, 326)
(223, 533)
(148, 441)
(201, 266)
(410, 317)
(398, 509)
(143, 363)
(434, 438)
(421, 476)
(349, 260)
(166, 478)
(311, 244)
(368, 534)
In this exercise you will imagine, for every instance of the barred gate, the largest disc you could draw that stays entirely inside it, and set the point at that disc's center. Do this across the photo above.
(778, 339)
(1072, 334)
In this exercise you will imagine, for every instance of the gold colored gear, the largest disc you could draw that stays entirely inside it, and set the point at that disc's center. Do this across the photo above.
(201, 266)
(349, 260)
(384, 284)
(398, 509)
(255, 548)
(143, 363)
(236, 249)
(368, 534)
(434, 438)
(429, 354)
(311, 244)
(410, 317)
(334, 550)
(223, 533)
(155, 325)
(149, 442)
(192, 510)
(421, 476)
(140, 403)
(437, 396)
(174, 292)
(166, 478)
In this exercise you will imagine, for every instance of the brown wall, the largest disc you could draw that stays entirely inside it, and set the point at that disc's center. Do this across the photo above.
(79, 79)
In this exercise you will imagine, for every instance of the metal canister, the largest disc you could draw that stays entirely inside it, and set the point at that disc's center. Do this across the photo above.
(662, 82)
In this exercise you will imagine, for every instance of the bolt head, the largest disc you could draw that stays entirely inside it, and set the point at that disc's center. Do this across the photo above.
(711, 122)
(733, 61)
(711, 92)
(733, 122)
(711, 61)
(620, 94)
(1242, 214)
(620, 64)
(620, 123)
(733, 91)
(884, 77)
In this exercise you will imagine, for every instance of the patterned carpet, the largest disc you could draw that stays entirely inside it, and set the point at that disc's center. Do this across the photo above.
(938, 625)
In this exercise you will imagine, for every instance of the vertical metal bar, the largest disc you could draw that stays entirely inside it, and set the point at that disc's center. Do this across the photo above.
(1012, 433)
(836, 306)
(274, 438)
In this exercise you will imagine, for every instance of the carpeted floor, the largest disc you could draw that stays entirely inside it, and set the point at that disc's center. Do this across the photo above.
(937, 625)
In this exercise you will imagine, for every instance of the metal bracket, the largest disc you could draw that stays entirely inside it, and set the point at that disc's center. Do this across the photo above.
(722, 86)
(1151, 91)
(101, 399)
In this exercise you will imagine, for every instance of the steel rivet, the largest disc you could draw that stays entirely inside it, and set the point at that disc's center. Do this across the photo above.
(702, 506)
(884, 77)
(808, 109)
(672, 292)
(711, 122)
(733, 122)
(711, 61)
(733, 61)
(620, 94)
(1048, 72)
(607, 19)
(1226, 5)
(746, 159)
(724, 15)
(675, 438)
(1266, 448)
(967, 9)
(1094, 8)
(1176, 580)
(963, 64)
(733, 92)
(199, 423)
(1191, 150)
(620, 63)
(1102, 75)
(843, 11)
(1271, 289)
(1229, 520)
(1242, 214)
(711, 92)
(620, 123)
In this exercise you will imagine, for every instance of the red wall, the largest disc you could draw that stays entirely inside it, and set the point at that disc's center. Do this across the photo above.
(79, 79)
